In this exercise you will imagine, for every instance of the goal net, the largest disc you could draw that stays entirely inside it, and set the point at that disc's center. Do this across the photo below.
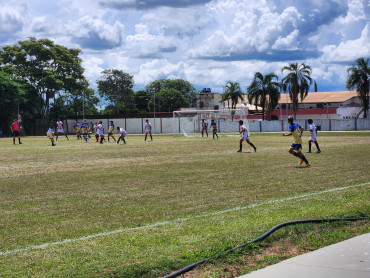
(189, 123)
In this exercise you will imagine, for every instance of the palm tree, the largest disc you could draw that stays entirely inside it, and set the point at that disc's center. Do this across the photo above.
(358, 79)
(232, 93)
(297, 82)
(264, 92)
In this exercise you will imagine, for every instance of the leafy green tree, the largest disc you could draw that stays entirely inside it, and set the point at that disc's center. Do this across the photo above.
(75, 103)
(116, 86)
(264, 91)
(141, 101)
(47, 67)
(12, 94)
(168, 100)
(184, 87)
(232, 93)
(297, 82)
(359, 80)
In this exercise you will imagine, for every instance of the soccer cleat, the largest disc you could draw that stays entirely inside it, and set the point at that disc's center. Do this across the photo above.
(20, 143)
(124, 143)
(308, 152)
(255, 149)
(307, 165)
(300, 163)
(318, 152)
(239, 151)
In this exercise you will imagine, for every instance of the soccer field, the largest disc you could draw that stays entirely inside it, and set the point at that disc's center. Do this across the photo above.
(146, 209)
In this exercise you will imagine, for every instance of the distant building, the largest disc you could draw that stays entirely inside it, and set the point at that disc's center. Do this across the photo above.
(206, 100)
(316, 105)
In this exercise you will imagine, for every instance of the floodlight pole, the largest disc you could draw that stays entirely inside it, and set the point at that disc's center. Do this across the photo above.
(83, 106)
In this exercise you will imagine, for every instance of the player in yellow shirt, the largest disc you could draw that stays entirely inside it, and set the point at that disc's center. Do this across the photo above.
(296, 148)
(78, 130)
(84, 131)
(50, 135)
(214, 126)
(111, 131)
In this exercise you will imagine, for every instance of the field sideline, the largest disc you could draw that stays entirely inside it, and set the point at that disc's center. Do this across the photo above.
(148, 208)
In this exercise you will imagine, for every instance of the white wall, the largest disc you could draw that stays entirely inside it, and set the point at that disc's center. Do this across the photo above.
(191, 124)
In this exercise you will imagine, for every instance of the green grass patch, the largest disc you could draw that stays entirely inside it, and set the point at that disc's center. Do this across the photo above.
(50, 194)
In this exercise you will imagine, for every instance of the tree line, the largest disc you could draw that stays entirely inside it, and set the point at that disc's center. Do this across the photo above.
(44, 80)
(265, 90)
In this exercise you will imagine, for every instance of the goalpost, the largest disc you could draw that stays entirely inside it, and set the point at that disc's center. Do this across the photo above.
(189, 122)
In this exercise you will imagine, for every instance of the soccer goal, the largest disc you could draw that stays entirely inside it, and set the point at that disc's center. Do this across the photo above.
(189, 122)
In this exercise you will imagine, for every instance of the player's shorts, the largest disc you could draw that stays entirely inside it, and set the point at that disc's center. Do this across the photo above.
(297, 147)
(245, 138)
(124, 134)
(313, 139)
(110, 133)
(60, 130)
(84, 134)
(148, 131)
(51, 138)
(15, 133)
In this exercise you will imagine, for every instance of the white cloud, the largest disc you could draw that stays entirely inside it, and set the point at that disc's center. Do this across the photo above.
(348, 51)
(95, 33)
(11, 19)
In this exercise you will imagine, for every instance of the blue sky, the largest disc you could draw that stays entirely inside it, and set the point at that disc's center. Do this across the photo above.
(204, 42)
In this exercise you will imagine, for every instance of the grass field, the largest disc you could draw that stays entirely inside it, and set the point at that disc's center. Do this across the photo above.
(146, 209)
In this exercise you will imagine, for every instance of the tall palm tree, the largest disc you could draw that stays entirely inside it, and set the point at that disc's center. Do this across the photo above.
(232, 93)
(358, 79)
(264, 92)
(296, 82)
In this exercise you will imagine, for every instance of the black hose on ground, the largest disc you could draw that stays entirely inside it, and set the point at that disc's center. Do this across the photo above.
(262, 237)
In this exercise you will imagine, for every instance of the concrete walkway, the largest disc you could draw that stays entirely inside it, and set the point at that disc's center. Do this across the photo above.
(347, 259)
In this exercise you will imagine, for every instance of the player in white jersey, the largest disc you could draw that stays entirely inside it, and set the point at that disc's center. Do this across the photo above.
(60, 130)
(313, 136)
(148, 129)
(204, 127)
(245, 136)
(122, 134)
(100, 130)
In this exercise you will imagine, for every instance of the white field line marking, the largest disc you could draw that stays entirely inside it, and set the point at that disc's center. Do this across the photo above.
(177, 220)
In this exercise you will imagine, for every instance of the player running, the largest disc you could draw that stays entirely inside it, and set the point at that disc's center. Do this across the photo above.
(296, 148)
(60, 130)
(77, 128)
(245, 136)
(313, 137)
(50, 135)
(85, 130)
(14, 127)
(214, 126)
(148, 129)
(204, 127)
(111, 132)
(122, 136)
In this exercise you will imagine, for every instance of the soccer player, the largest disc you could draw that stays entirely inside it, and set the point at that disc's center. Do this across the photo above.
(50, 135)
(214, 126)
(85, 130)
(148, 129)
(313, 137)
(111, 131)
(100, 130)
(122, 136)
(296, 148)
(14, 127)
(204, 127)
(245, 136)
(77, 128)
(60, 130)
(96, 131)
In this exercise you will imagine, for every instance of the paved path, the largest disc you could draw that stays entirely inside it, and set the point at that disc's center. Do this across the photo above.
(347, 259)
